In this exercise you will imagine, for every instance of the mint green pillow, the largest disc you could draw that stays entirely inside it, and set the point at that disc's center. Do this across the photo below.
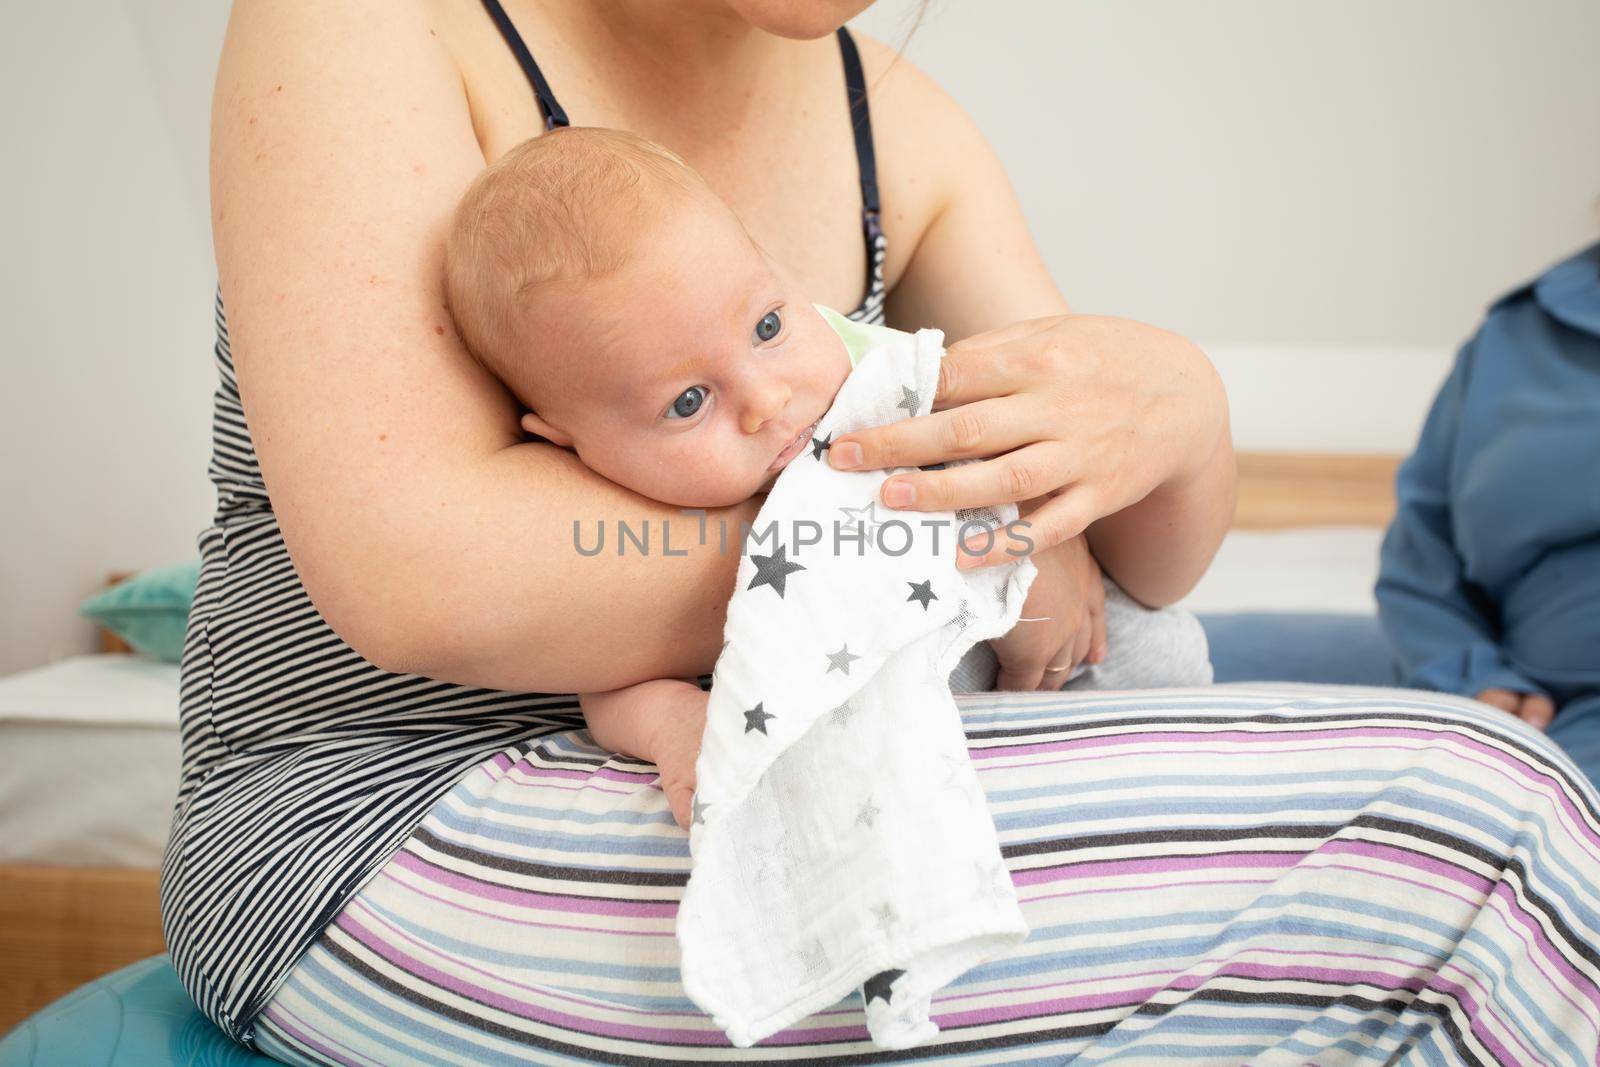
(150, 611)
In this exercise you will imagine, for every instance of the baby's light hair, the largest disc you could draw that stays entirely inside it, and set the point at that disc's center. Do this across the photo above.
(567, 204)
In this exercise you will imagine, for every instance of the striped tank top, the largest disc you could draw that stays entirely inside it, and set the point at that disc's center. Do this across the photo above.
(304, 765)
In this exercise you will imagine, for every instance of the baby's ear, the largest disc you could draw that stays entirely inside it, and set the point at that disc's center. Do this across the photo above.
(535, 425)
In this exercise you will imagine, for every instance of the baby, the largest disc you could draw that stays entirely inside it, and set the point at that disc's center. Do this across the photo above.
(624, 304)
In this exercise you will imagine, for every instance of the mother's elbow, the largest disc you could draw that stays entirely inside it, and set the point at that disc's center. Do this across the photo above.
(436, 641)
(381, 624)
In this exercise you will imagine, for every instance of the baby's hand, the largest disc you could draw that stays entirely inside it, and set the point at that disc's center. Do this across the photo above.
(1535, 709)
(678, 720)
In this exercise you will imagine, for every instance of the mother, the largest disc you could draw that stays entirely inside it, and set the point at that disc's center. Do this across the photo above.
(391, 838)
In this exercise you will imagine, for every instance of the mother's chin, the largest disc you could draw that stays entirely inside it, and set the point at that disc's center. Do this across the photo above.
(800, 20)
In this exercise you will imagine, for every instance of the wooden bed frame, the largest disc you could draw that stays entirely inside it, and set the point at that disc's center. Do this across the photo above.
(63, 926)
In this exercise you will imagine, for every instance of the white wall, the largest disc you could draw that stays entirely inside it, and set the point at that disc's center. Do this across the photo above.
(107, 286)
(1289, 172)
(1323, 194)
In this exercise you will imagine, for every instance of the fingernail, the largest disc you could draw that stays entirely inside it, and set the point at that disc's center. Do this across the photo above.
(898, 494)
(845, 456)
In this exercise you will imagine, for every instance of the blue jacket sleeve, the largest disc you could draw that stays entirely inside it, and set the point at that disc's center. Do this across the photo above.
(1442, 628)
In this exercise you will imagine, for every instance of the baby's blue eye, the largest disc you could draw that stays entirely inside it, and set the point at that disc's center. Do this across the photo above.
(769, 326)
(689, 402)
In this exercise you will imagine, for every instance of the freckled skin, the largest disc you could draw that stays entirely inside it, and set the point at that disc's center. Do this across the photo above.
(683, 313)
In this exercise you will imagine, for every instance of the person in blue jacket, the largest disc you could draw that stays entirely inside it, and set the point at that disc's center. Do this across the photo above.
(1489, 576)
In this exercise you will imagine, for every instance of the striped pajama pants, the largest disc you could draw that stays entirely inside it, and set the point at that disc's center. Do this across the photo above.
(1264, 874)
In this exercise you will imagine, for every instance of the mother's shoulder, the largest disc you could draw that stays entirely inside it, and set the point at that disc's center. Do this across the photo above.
(930, 151)
(890, 71)
(913, 118)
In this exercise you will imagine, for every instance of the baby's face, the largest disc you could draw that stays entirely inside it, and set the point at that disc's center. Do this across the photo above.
(696, 373)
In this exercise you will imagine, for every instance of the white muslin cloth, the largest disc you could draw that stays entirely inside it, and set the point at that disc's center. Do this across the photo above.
(840, 839)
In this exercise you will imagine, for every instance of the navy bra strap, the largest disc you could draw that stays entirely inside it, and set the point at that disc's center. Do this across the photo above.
(553, 115)
(855, 84)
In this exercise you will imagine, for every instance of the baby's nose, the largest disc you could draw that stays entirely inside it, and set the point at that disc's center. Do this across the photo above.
(767, 399)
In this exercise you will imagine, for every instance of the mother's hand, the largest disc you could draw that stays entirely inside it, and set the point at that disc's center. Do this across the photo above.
(1063, 621)
(1091, 413)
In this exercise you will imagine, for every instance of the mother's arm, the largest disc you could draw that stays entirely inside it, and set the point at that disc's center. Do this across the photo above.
(427, 533)
(976, 268)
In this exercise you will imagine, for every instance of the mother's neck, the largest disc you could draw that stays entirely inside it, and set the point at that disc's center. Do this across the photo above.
(702, 41)
(689, 73)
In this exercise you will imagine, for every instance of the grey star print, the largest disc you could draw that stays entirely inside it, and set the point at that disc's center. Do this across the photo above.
(922, 593)
(773, 570)
(869, 812)
(756, 719)
(964, 617)
(699, 809)
(763, 862)
(815, 960)
(953, 767)
(840, 660)
(910, 401)
(865, 518)
(989, 876)
(819, 445)
(878, 986)
(841, 714)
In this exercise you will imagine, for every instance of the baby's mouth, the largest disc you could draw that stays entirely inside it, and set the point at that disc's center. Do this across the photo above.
(792, 449)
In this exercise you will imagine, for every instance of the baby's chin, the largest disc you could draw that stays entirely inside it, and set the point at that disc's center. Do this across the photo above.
(737, 496)
(699, 496)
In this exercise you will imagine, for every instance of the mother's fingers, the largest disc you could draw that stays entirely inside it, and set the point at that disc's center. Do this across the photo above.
(1062, 518)
(1023, 474)
(986, 364)
(1026, 673)
(1097, 619)
(1074, 653)
(978, 429)
(976, 369)
(1005, 334)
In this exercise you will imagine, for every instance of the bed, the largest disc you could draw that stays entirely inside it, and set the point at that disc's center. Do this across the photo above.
(79, 848)
(80, 839)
